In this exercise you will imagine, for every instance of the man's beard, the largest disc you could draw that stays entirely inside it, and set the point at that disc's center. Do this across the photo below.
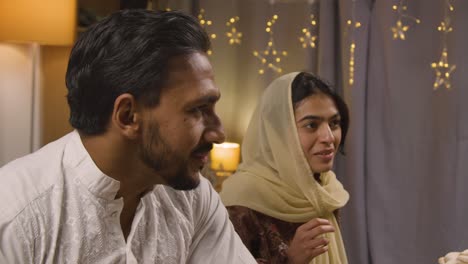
(167, 163)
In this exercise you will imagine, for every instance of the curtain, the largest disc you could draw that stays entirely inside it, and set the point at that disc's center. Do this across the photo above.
(415, 150)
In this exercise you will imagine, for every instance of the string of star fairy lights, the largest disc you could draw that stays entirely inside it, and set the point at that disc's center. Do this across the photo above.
(270, 57)
(308, 37)
(352, 24)
(400, 28)
(205, 23)
(443, 69)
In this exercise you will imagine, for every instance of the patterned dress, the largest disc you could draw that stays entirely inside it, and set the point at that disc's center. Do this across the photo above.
(266, 237)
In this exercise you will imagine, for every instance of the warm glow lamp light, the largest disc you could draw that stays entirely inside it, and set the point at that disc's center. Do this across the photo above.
(224, 160)
(46, 22)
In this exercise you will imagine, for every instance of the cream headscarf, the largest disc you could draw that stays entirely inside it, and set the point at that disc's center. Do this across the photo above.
(274, 177)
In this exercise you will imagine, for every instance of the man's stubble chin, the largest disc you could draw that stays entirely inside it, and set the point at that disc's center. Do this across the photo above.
(173, 168)
(185, 182)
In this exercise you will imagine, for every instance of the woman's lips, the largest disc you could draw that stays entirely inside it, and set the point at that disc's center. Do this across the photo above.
(326, 154)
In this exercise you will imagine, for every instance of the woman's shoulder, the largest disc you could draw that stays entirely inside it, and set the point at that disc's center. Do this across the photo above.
(266, 237)
(241, 213)
(239, 209)
(245, 215)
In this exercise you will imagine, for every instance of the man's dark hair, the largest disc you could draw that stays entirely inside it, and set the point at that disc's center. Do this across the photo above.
(306, 84)
(126, 52)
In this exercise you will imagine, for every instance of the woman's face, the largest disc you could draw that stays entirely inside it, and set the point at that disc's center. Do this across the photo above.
(318, 126)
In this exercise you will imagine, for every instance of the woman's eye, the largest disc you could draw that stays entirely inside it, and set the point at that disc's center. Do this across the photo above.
(335, 123)
(311, 125)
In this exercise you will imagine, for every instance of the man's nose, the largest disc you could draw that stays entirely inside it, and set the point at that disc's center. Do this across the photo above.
(215, 131)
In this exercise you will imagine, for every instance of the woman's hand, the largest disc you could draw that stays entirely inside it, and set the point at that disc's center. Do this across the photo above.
(308, 241)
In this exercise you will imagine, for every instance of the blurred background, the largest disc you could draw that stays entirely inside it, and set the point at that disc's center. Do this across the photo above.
(402, 67)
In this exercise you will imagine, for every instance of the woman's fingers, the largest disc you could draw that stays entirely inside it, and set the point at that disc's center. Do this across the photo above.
(316, 243)
(309, 240)
(314, 228)
(313, 224)
(319, 230)
(318, 251)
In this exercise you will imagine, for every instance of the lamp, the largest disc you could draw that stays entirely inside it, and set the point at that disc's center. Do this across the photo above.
(224, 160)
(46, 22)
(32, 23)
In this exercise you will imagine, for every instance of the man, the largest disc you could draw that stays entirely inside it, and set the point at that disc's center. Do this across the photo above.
(142, 98)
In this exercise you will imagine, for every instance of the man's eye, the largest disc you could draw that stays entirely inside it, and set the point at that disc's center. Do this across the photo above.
(199, 109)
(194, 111)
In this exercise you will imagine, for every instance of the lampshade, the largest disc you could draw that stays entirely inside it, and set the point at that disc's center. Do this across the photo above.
(225, 157)
(47, 22)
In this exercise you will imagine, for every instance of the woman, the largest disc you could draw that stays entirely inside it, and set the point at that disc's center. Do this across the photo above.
(284, 196)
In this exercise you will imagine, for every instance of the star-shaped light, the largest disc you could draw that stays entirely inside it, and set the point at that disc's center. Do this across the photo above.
(270, 57)
(443, 70)
(445, 26)
(233, 35)
(399, 30)
(307, 39)
(205, 23)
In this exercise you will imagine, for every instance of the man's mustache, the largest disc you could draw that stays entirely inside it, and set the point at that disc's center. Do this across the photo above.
(203, 148)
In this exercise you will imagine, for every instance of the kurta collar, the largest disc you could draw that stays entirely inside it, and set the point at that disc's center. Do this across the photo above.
(86, 172)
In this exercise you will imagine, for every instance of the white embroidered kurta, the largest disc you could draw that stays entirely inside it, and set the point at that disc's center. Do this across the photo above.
(56, 206)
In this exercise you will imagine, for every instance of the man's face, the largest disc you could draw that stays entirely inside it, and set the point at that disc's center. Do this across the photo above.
(178, 133)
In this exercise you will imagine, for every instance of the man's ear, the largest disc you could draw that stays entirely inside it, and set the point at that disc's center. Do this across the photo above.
(126, 116)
